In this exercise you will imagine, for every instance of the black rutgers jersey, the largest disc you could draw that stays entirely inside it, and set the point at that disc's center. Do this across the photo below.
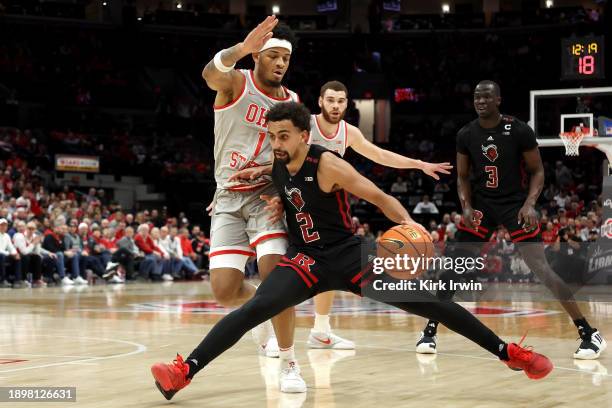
(496, 156)
(314, 218)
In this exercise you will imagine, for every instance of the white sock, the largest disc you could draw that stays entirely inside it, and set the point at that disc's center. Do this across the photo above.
(287, 354)
(321, 323)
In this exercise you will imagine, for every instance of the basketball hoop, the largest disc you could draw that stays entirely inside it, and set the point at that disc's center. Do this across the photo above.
(571, 141)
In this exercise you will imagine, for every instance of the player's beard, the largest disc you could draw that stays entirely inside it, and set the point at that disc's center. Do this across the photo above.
(286, 159)
(329, 119)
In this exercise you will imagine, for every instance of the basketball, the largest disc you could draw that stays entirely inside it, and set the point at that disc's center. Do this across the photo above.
(413, 245)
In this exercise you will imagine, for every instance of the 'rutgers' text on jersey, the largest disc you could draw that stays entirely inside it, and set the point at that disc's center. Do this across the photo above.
(336, 142)
(496, 156)
(314, 218)
(241, 133)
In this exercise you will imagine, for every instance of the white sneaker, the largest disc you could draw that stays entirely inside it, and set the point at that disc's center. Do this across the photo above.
(116, 279)
(66, 281)
(426, 344)
(290, 379)
(80, 281)
(320, 340)
(111, 265)
(590, 349)
(168, 278)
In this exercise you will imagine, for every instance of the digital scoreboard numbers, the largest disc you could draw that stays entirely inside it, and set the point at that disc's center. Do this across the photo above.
(582, 57)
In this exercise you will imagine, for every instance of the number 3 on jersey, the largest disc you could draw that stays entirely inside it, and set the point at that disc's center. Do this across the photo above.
(493, 180)
(306, 225)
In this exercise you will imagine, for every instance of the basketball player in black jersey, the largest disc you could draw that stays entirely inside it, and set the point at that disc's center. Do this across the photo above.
(499, 179)
(324, 254)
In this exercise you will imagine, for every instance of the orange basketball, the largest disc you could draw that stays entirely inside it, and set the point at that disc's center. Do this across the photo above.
(411, 244)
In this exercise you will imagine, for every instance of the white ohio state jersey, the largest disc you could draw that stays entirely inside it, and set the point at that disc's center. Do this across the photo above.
(241, 133)
(336, 142)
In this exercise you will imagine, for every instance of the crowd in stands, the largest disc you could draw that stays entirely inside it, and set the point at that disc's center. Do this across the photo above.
(67, 237)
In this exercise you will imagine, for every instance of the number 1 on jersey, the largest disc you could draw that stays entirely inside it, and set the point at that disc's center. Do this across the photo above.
(493, 180)
(306, 224)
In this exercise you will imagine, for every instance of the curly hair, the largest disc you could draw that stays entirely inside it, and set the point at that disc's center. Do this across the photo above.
(296, 112)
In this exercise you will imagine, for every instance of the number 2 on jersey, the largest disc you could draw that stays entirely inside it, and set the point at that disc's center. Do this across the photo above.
(306, 224)
(493, 180)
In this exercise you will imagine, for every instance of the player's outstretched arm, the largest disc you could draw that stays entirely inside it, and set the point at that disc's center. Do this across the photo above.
(334, 174)
(219, 73)
(364, 147)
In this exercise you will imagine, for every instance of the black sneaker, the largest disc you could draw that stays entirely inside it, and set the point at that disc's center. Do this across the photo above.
(111, 270)
(426, 344)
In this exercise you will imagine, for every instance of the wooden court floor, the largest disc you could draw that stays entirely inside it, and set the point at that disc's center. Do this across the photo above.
(103, 339)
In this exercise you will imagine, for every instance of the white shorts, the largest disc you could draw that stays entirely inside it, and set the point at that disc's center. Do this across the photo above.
(240, 229)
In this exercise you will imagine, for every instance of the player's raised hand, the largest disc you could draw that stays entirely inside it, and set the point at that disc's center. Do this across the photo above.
(528, 217)
(432, 169)
(274, 206)
(259, 35)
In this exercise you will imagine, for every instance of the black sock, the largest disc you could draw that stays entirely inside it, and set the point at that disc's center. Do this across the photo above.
(503, 352)
(193, 367)
(584, 328)
(431, 329)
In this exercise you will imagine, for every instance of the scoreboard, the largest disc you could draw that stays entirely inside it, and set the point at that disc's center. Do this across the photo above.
(582, 57)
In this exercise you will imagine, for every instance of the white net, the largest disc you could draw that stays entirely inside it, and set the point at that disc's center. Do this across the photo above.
(571, 141)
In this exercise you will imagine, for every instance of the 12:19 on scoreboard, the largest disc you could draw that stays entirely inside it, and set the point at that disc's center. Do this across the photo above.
(582, 57)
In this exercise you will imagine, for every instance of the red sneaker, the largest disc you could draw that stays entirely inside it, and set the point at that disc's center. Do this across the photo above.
(171, 377)
(535, 365)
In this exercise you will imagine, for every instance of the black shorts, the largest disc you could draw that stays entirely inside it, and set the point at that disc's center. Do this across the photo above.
(342, 266)
(495, 214)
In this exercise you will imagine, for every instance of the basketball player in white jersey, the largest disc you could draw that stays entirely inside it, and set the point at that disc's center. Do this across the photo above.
(329, 130)
(240, 227)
